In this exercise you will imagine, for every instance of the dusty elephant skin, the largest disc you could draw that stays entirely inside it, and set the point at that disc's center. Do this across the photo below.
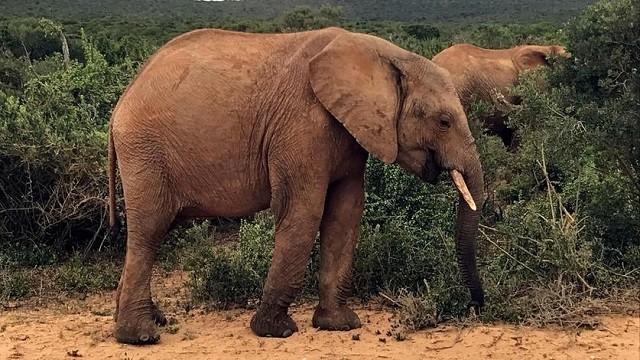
(487, 74)
(221, 123)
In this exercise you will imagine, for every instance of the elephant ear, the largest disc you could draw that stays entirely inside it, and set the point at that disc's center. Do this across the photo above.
(358, 85)
(529, 57)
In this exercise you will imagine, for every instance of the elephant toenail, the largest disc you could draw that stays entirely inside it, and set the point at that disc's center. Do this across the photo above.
(144, 338)
(287, 333)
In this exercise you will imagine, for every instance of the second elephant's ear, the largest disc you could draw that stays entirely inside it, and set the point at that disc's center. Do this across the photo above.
(359, 87)
(529, 57)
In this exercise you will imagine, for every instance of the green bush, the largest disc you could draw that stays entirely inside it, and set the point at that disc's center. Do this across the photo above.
(52, 158)
(15, 284)
(25, 37)
(421, 31)
(568, 229)
(305, 18)
(78, 276)
(233, 273)
(501, 36)
(588, 127)
(605, 81)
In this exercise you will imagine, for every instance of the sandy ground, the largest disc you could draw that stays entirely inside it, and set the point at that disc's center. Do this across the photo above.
(82, 328)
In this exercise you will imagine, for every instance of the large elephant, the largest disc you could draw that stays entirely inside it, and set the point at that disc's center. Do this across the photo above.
(223, 123)
(487, 74)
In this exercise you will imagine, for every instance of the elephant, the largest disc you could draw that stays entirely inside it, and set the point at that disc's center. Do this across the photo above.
(224, 124)
(487, 74)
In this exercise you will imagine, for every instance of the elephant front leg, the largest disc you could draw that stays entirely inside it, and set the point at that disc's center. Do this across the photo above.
(338, 238)
(297, 221)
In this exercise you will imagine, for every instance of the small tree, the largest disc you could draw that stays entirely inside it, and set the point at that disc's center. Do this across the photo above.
(52, 28)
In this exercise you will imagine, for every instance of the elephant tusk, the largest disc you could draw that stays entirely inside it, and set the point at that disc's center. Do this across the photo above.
(462, 187)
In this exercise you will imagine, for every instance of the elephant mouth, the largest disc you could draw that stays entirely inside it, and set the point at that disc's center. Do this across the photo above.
(431, 170)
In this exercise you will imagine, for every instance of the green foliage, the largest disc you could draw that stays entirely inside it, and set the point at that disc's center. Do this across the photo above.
(14, 284)
(606, 82)
(220, 277)
(13, 74)
(25, 37)
(588, 126)
(81, 277)
(407, 10)
(233, 274)
(397, 255)
(392, 193)
(305, 18)
(500, 36)
(52, 151)
(567, 200)
(604, 42)
(421, 31)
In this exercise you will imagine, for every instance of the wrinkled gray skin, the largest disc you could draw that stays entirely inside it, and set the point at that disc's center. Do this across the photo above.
(226, 124)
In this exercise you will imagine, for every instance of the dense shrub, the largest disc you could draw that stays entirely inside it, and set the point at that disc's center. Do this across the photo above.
(421, 31)
(568, 209)
(306, 18)
(500, 36)
(587, 127)
(24, 37)
(80, 277)
(77, 276)
(52, 156)
(232, 274)
(15, 284)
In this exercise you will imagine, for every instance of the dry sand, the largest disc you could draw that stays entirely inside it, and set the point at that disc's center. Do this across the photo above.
(82, 328)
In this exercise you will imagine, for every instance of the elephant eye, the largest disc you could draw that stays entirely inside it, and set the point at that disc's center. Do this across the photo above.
(444, 121)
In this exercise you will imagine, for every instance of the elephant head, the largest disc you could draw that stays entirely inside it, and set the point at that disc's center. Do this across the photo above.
(402, 108)
(530, 56)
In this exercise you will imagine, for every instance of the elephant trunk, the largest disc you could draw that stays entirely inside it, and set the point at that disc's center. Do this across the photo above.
(470, 185)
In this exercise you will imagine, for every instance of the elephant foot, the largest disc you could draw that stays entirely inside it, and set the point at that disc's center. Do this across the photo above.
(341, 318)
(158, 315)
(474, 308)
(140, 327)
(273, 321)
(137, 331)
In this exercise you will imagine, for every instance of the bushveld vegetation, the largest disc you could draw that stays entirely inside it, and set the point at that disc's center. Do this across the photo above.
(560, 229)
(176, 11)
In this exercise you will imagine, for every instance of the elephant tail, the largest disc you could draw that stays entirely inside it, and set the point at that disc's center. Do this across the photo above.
(111, 173)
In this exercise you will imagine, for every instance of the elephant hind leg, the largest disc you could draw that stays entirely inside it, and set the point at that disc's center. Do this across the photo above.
(158, 316)
(149, 217)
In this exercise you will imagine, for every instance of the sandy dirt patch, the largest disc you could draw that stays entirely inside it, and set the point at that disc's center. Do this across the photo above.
(82, 329)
